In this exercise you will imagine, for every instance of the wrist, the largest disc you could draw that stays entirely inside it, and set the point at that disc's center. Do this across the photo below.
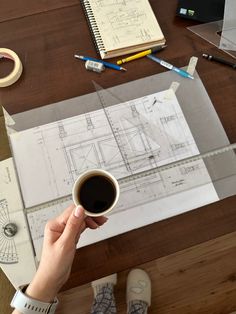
(30, 305)
(41, 291)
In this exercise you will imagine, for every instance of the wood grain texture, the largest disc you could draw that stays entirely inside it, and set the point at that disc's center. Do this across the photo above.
(200, 279)
(6, 293)
(13, 9)
(153, 241)
(46, 36)
(47, 42)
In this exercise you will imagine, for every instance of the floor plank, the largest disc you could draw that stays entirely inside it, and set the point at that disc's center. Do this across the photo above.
(6, 294)
(201, 279)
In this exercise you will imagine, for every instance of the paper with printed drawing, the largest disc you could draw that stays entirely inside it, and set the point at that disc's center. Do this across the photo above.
(152, 131)
(16, 252)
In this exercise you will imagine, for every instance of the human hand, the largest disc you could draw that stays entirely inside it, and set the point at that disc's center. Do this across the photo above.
(60, 238)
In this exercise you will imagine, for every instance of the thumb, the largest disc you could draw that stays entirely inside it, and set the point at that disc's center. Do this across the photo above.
(74, 225)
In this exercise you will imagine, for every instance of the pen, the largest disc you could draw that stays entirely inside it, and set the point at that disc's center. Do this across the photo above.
(220, 60)
(170, 67)
(141, 54)
(106, 64)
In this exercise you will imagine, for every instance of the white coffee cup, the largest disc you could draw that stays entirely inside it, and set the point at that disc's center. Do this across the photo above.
(99, 178)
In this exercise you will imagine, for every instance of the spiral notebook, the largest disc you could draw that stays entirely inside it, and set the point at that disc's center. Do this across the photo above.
(121, 27)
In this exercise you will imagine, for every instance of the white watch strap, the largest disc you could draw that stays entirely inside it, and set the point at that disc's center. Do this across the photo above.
(26, 305)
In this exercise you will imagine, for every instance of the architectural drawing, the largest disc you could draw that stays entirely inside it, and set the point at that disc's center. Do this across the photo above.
(16, 250)
(143, 201)
(124, 139)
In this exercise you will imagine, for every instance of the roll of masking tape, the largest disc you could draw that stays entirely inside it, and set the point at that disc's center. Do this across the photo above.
(16, 73)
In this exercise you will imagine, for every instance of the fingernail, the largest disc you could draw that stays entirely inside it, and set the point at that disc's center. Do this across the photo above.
(78, 211)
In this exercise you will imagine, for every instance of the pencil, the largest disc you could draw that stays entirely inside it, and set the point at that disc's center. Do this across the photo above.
(106, 64)
(170, 67)
(141, 54)
(219, 60)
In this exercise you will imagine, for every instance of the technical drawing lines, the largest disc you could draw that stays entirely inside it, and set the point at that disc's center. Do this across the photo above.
(109, 151)
(123, 19)
(84, 157)
(4, 215)
(103, 3)
(124, 139)
(8, 252)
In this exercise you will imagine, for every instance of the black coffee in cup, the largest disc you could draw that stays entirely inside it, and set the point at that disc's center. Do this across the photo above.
(97, 193)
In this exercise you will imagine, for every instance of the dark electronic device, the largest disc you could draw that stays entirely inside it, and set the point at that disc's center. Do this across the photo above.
(202, 11)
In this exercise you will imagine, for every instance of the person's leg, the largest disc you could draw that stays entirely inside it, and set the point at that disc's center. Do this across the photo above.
(138, 293)
(137, 307)
(104, 300)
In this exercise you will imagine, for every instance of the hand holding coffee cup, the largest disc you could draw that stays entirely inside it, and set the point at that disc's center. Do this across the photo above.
(97, 191)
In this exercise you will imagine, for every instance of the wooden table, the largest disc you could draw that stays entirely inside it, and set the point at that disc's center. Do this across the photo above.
(46, 34)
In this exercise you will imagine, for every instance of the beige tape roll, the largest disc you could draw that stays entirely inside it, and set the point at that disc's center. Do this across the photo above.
(18, 68)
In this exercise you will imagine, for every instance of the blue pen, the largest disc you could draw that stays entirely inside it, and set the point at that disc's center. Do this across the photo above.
(106, 64)
(170, 66)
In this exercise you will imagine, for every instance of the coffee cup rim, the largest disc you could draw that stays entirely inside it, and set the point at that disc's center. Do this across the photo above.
(83, 176)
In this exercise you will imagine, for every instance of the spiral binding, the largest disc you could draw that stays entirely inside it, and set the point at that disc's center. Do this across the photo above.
(97, 38)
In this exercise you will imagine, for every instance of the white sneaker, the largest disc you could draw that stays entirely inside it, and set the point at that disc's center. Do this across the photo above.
(97, 284)
(138, 286)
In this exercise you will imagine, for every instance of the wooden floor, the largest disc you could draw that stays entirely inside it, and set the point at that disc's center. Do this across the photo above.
(201, 279)
(6, 294)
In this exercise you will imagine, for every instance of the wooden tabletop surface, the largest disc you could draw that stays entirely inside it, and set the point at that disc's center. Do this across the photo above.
(46, 35)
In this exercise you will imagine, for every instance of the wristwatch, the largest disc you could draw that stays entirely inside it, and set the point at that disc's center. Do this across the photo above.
(27, 305)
